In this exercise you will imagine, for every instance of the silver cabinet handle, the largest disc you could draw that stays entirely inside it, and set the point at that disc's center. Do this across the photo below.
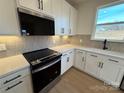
(68, 59)
(40, 2)
(13, 86)
(93, 55)
(83, 59)
(113, 60)
(70, 31)
(62, 30)
(102, 65)
(7, 81)
(99, 65)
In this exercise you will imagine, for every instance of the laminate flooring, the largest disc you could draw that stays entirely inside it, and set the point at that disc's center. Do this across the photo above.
(75, 81)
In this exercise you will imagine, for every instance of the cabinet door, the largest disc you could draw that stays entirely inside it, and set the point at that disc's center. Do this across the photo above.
(64, 63)
(110, 71)
(92, 63)
(31, 4)
(21, 86)
(79, 59)
(65, 18)
(57, 13)
(47, 6)
(8, 18)
(71, 59)
(73, 21)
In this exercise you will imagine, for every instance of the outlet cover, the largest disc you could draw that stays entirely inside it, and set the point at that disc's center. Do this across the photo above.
(3, 47)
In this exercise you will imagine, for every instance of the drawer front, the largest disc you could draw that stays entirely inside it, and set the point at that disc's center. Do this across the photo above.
(18, 86)
(13, 77)
(115, 60)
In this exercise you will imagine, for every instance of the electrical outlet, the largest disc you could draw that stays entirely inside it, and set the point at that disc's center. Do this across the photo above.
(3, 47)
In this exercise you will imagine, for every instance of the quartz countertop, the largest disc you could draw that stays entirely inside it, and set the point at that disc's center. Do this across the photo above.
(12, 64)
(67, 47)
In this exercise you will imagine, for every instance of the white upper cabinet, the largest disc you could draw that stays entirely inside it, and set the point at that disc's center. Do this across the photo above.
(65, 18)
(79, 59)
(73, 21)
(47, 6)
(57, 13)
(31, 4)
(37, 5)
(8, 18)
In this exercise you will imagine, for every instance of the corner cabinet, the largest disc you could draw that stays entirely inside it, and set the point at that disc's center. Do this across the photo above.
(8, 18)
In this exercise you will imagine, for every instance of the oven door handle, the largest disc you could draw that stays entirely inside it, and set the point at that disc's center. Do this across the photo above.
(44, 67)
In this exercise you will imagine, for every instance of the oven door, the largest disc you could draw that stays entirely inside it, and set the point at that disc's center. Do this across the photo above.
(45, 75)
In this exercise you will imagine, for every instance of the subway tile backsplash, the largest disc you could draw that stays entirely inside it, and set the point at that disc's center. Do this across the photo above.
(17, 44)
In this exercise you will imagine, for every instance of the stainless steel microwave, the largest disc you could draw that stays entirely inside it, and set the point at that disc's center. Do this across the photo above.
(32, 23)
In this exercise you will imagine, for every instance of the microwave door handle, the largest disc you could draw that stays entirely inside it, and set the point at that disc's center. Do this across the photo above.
(47, 66)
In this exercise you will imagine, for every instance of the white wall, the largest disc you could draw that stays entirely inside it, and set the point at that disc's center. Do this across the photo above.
(87, 15)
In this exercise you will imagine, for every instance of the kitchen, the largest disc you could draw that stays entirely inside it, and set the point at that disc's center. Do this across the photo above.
(47, 44)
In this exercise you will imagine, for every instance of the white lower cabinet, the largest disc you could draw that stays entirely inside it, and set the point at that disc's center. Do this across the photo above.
(67, 61)
(19, 86)
(111, 72)
(92, 64)
(104, 68)
(18, 83)
(79, 59)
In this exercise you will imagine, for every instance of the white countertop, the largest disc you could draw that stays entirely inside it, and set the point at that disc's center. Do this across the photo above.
(67, 47)
(15, 63)
(12, 64)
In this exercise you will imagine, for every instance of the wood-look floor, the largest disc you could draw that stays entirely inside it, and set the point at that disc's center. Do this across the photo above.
(75, 81)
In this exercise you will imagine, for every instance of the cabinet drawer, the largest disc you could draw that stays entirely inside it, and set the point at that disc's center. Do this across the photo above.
(115, 60)
(22, 85)
(13, 77)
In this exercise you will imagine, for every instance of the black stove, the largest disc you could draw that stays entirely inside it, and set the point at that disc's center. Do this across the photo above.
(45, 67)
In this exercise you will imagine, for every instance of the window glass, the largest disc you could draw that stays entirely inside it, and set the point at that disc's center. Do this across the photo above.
(110, 22)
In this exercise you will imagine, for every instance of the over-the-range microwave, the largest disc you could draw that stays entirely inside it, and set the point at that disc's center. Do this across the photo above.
(35, 24)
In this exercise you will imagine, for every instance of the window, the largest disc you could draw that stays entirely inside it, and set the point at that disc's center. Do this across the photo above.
(110, 22)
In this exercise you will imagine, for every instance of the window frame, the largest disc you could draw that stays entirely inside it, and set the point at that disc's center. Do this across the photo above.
(94, 29)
